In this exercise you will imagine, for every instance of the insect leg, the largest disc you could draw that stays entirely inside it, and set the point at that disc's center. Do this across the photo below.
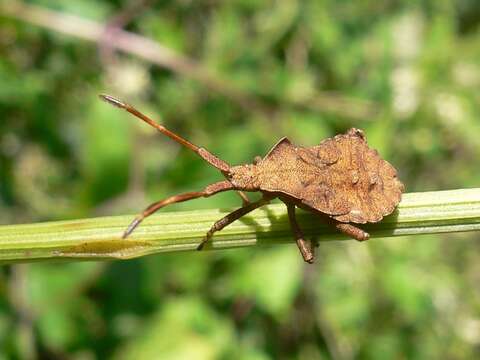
(352, 231)
(208, 191)
(230, 218)
(307, 250)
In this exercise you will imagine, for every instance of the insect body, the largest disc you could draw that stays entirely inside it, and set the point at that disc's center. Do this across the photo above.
(341, 179)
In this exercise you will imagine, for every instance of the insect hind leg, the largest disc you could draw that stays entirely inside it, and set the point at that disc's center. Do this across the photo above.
(352, 231)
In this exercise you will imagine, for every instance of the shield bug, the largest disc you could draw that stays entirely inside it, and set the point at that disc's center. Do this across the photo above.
(342, 180)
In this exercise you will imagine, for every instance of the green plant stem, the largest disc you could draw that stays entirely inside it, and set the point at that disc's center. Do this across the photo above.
(99, 238)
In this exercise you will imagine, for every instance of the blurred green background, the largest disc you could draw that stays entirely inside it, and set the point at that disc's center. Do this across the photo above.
(243, 74)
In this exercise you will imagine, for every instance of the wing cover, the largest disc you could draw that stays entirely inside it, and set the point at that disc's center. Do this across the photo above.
(341, 177)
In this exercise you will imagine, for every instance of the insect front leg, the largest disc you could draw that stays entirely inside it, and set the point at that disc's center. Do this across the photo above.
(352, 231)
(208, 191)
(306, 249)
(230, 218)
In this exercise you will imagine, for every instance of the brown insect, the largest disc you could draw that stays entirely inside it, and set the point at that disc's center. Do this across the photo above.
(341, 179)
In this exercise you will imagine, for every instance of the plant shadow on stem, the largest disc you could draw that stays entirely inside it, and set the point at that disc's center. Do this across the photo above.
(315, 227)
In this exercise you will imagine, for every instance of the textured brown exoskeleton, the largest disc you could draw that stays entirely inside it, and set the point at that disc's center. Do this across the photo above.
(341, 179)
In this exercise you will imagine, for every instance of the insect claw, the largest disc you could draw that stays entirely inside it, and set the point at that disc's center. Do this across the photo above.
(131, 227)
(202, 244)
(111, 100)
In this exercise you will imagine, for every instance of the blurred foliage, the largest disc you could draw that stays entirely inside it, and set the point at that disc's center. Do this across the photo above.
(65, 154)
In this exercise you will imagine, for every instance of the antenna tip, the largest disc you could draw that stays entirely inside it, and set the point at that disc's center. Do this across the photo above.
(112, 100)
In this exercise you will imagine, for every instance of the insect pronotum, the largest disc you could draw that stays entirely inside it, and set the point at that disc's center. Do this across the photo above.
(342, 180)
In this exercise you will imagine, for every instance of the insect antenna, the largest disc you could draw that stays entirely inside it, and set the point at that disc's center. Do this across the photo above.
(202, 152)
